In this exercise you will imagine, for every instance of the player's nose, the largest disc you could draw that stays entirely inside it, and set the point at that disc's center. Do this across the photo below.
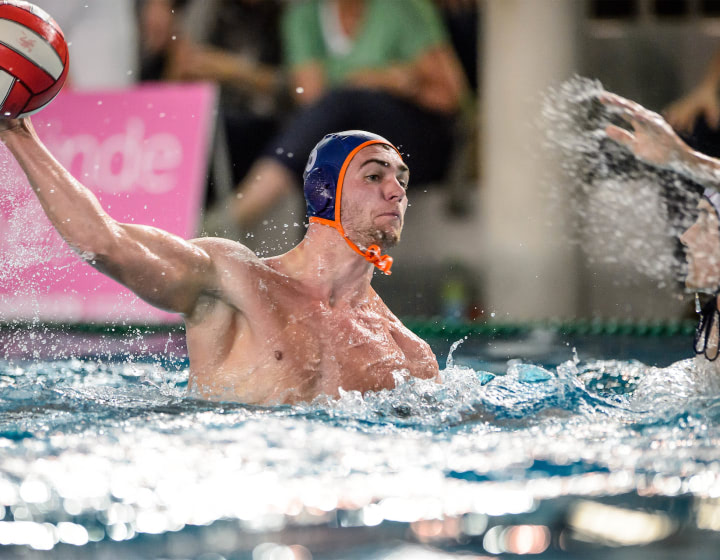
(393, 189)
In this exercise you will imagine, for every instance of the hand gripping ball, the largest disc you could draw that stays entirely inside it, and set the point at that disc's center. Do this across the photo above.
(33, 59)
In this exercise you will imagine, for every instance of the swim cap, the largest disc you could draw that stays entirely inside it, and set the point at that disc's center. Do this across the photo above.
(713, 197)
(323, 182)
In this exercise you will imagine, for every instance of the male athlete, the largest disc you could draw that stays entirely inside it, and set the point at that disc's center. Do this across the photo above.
(653, 140)
(264, 331)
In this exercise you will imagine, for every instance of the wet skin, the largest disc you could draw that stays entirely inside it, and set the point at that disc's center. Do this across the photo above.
(263, 331)
(654, 141)
(702, 241)
(271, 338)
(308, 322)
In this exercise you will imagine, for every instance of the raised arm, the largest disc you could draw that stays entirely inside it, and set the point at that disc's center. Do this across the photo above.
(654, 141)
(159, 267)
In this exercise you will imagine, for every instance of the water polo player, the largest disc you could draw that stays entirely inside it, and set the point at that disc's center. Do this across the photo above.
(702, 241)
(275, 330)
(654, 141)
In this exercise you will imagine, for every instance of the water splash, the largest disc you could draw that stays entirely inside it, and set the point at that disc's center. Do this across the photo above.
(114, 448)
(626, 211)
(450, 362)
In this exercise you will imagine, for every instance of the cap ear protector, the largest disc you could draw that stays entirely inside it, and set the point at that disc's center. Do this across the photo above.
(323, 182)
(320, 188)
(713, 197)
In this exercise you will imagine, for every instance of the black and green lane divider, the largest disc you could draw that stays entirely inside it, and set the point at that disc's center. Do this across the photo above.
(424, 328)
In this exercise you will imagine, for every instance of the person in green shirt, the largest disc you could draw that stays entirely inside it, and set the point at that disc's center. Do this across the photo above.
(378, 65)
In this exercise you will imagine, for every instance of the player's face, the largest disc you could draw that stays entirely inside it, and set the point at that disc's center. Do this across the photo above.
(702, 242)
(374, 198)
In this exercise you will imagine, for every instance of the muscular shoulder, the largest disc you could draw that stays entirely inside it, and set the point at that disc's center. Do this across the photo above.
(403, 336)
(421, 358)
(234, 270)
(234, 263)
(225, 251)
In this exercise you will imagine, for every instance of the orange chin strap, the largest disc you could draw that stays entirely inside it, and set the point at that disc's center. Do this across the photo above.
(371, 254)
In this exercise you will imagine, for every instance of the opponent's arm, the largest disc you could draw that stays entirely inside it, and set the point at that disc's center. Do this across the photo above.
(653, 140)
(161, 268)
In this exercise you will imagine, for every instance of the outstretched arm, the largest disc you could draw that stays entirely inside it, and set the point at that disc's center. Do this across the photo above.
(654, 141)
(161, 268)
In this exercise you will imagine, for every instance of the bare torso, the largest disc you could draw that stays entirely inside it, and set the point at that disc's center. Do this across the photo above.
(267, 339)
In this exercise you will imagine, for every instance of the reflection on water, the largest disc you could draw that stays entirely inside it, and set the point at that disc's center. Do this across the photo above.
(96, 449)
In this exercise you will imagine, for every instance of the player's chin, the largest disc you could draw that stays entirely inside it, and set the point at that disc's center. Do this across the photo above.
(389, 237)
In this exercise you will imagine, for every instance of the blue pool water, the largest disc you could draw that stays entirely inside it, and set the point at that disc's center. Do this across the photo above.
(555, 453)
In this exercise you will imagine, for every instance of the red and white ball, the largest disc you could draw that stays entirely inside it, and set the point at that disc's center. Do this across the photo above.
(33, 59)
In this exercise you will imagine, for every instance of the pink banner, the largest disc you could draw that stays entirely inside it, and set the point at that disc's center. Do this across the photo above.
(144, 153)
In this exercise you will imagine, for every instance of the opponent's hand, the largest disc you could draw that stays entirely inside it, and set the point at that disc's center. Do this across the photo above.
(652, 139)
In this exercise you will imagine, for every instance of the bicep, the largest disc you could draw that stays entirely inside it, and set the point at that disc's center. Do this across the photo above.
(161, 268)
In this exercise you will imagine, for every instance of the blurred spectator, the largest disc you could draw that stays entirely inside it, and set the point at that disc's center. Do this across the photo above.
(381, 66)
(102, 41)
(158, 25)
(234, 43)
(461, 18)
(696, 116)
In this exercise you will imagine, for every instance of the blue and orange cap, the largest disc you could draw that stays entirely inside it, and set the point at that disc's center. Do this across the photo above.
(713, 197)
(323, 182)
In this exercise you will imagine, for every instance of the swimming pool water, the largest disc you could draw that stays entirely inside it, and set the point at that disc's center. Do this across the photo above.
(103, 455)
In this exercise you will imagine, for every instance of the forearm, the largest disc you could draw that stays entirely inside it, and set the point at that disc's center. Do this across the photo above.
(434, 81)
(442, 82)
(244, 73)
(702, 168)
(161, 268)
(72, 209)
(400, 80)
(308, 83)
